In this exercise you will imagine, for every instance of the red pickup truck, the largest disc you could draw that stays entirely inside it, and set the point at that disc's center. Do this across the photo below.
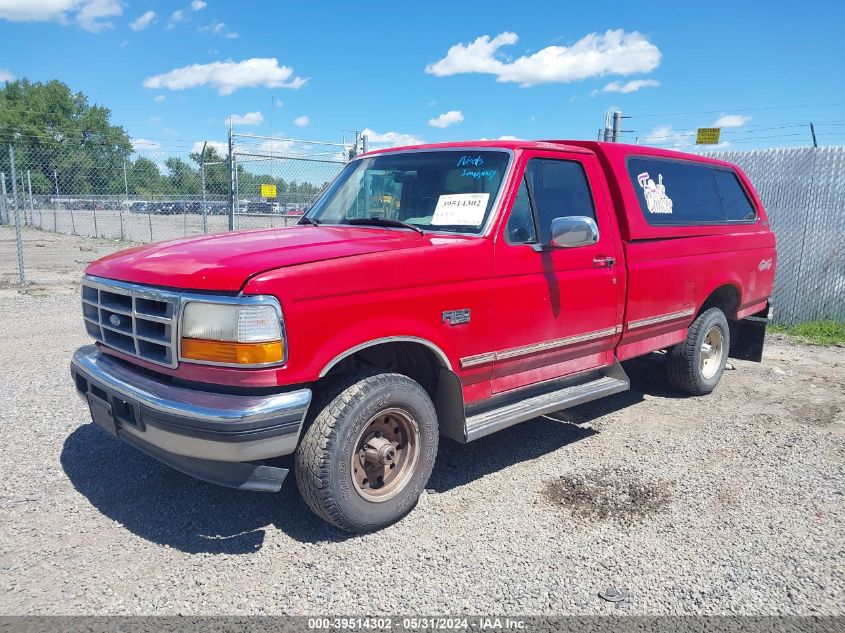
(452, 289)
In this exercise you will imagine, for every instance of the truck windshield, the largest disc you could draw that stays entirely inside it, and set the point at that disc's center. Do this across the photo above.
(433, 190)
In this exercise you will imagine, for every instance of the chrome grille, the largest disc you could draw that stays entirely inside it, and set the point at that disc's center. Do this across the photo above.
(133, 319)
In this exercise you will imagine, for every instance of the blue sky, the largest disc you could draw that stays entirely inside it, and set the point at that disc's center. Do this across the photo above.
(173, 72)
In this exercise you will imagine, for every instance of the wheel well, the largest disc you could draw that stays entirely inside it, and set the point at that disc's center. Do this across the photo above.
(726, 298)
(419, 363)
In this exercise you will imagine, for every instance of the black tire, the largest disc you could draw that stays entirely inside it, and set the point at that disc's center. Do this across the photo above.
(323, 461)
(684, 361)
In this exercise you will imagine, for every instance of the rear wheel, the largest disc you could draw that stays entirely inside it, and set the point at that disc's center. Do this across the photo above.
(696, 365)
(366, 458)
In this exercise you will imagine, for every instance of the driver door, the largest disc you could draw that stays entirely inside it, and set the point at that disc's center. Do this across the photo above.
(558, 310)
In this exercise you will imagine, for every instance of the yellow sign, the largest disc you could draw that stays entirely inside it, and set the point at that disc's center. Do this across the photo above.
(708, 136)
(268, 191)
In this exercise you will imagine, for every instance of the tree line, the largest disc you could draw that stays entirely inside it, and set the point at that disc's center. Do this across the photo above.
(69, 144)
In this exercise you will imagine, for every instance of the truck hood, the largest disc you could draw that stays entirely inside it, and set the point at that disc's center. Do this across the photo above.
(223, 262)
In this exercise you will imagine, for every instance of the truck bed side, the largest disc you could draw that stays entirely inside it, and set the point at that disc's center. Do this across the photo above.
(674, 271)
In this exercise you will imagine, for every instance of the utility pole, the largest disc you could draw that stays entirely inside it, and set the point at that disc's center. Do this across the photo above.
(813, 132)
(612, 127)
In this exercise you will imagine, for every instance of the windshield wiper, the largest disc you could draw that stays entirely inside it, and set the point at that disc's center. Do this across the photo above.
(377, 221)
(306, 220)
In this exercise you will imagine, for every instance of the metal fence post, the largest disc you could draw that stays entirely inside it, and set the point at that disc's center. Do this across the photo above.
(4, 211)
(58, 204)
(94, 207)
(12, 175)
(31, 205)
(202, 180)
(150, 218)
(231, 162)
(126, 202)
(18, 237)
(22, 207)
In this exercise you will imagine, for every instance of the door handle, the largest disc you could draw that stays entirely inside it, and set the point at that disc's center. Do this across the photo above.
(600, 261)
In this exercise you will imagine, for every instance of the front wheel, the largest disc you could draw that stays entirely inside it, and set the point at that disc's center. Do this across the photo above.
(366, 458)
(697, 364)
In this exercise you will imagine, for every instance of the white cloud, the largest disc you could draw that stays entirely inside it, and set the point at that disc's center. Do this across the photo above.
(89, 14)
(446, 119)
(302, 121)
(144, 145)
(93, 15)
(666, 136)
(221, 147)
(279, 103)
(613, 52)
(389, 139)
(36, 10)
(630, 86)
(198, 5)
(155, 120)
(159, 98)
(229, 76)
(732, 120)
(174, 19)
(250, 118)
(219, 29)
(143, 21)
(5, 76)
(509, 137)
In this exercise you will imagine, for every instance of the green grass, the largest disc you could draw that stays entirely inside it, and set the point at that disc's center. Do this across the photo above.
(823, 332)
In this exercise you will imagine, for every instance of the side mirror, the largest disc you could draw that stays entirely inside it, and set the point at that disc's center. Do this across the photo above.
(577, 230)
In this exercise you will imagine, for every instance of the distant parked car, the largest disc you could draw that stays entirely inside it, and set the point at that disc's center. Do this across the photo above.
(263, 207)
(170, 208)
(138, 207)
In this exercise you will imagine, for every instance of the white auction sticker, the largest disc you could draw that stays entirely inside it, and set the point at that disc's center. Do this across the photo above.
(460, 209)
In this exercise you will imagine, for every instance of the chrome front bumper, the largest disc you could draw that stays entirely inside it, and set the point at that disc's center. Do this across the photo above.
(212, 436)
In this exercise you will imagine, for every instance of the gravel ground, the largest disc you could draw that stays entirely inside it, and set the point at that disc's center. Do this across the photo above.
(727, 504)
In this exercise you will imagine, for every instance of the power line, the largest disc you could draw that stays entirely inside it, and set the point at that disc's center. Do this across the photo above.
(751, 128)
(758, 109)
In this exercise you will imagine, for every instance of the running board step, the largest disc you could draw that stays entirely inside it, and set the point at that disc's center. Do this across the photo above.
(613, 380)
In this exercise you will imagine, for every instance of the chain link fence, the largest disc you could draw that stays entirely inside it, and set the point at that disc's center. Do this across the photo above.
(91, 189)
(803, 191)
(277, 180)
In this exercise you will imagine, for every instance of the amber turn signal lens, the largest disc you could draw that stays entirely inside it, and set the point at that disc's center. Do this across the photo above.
(232, 353)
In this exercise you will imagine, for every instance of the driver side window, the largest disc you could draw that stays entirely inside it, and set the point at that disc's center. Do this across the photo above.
(555, 189)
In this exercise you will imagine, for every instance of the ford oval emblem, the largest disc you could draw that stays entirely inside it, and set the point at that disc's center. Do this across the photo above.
(114, 320)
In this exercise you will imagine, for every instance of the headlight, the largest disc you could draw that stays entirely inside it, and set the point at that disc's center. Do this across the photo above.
(233, 333)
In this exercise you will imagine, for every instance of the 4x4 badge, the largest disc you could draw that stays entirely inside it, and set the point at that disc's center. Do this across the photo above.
(456, 317)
